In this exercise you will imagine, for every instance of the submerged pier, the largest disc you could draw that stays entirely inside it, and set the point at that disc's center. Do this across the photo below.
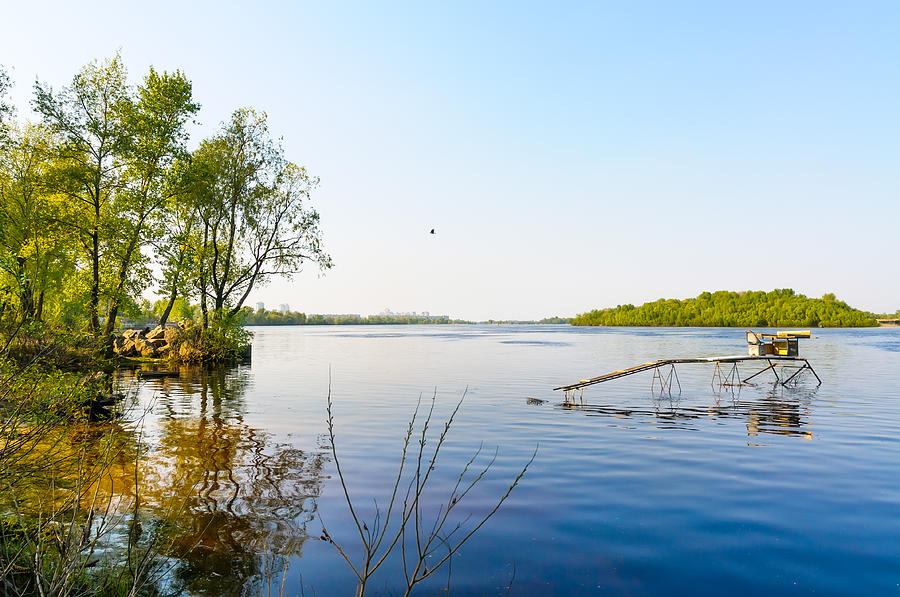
(775, 350)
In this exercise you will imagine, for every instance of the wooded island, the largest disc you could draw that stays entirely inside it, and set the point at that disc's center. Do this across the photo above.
(778, 308)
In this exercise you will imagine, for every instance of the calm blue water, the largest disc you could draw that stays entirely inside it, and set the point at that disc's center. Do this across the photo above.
(762, 490)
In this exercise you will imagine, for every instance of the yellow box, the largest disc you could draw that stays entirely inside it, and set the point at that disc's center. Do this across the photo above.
(794, 334)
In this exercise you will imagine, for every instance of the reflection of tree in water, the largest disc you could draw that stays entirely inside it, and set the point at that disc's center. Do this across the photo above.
(228, 499)
(780, 412)
(190, 389)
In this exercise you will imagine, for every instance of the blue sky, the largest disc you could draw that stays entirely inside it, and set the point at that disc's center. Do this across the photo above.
(569, 157)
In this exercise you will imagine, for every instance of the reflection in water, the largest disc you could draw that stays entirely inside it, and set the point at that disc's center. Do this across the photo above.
(780, 412)
(224, 497)
(59, 468)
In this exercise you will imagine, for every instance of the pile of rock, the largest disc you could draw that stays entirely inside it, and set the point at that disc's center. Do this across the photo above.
(179, 342)
(153, 343)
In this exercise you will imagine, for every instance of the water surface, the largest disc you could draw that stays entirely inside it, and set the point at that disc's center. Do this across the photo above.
(753, 490)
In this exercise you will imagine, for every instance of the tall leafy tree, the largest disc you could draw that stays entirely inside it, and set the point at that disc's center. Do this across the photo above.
(87, 115)
(105, 179)
(34, 247)
(117, 148)
(155, 121)
(253, 219)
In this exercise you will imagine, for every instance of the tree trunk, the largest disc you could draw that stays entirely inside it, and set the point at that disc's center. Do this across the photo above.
(26, 292)
(108, 329)
(28, 307)
(203, 310)
(165, 316)
(94, 303)
(39, 312)
(124, 266)
(247, 291)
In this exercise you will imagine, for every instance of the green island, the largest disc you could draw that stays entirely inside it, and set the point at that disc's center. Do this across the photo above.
(778, 308)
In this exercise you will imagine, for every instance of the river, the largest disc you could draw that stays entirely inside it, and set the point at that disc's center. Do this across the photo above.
(758, 489)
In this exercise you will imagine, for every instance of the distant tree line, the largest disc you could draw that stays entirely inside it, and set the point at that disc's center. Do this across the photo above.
(546, 320)
(778, 308)
(268, 317)
(150, 313)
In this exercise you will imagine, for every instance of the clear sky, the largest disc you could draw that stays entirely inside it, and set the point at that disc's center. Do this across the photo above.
(569, 156)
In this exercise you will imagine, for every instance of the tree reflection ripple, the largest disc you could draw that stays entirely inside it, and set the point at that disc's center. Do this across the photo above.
(229, 503)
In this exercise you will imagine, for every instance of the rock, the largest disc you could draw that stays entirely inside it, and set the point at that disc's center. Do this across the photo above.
(128, 349)
(171, 340)
(171, 334)
(147, 348)
(156, 342)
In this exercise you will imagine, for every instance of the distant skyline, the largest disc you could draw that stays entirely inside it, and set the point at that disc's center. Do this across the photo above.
(568, 158)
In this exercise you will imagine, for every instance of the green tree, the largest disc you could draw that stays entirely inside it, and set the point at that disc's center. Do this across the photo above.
(87, 115)
(252, 219)
(155, 121)
(35, 250)
(780, 307)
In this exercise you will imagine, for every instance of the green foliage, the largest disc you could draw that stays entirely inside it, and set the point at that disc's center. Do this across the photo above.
(37, 252)
(101, 200)
(38, 345)
(778, 308)
(86, 121)
(554, 320)
(546, 320)
(267, 317)
(224, 340)
(42, 394)
(253, 222)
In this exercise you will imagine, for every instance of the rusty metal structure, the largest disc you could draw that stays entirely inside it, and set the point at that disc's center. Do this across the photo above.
(776, 351)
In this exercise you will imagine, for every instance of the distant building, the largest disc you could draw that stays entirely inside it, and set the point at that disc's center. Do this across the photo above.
(260, 306)
(422, 315)
(284, 308)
